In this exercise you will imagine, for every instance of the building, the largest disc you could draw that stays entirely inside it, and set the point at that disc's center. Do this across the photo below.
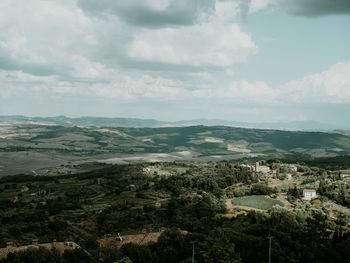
(345, 176)
(309, 194)
(59, 246)
(261, 168)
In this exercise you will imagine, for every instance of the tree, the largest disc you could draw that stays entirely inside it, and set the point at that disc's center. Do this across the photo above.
(76, 256)
(172, 247)
(218, 247)
(33, 255)
(137, 253)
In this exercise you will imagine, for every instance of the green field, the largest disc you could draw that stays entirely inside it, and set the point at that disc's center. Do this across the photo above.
(256, 201)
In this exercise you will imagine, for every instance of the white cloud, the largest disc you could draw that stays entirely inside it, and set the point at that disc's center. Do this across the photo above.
(145, 87)
(43, 41)
(257, 5)
(213, 42)
(117, 86)
(226, 10)
(242, 92)
(60, 39)
(330, 86)
(83, 68)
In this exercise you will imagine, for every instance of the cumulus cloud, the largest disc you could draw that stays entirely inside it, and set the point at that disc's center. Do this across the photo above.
(200, 45)
(117, 86)
(42, 43)
(330, 86)
(196, 86)
(146, 87)
(193, 88)
(60, 36)
(213, 43)
(242, 92)
(257, 5)
(14, 82)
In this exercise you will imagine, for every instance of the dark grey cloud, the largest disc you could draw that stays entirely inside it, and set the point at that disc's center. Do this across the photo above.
(146, 14)
(314, 8)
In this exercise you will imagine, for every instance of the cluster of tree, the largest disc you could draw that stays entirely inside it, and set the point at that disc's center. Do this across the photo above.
(337, 192)
(262, 189)
(25, 178)
(295, 192)
(296, 237)
(211, 179)
(328, 163)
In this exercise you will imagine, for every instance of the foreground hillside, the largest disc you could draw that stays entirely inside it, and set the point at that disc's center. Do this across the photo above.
(30, 147)
(150, 212)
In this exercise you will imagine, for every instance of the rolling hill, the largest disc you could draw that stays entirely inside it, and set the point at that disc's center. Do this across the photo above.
(37, 146)
(306, 125)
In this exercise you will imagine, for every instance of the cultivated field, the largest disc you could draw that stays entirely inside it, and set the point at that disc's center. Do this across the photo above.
(256, 201)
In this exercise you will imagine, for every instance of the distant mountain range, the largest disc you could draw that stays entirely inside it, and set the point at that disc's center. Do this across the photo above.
(151, 123)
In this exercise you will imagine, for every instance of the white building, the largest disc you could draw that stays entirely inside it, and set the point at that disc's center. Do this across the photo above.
(309, 194)
(345, 176)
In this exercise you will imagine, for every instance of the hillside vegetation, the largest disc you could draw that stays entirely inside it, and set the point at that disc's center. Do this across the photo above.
(182, 202)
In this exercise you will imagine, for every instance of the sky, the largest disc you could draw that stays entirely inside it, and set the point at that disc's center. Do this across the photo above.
(238, 60)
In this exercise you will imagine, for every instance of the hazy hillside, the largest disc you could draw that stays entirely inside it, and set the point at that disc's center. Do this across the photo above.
(83, 121)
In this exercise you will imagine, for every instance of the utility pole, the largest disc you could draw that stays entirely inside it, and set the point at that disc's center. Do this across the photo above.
(269, 238)
(193, 242)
